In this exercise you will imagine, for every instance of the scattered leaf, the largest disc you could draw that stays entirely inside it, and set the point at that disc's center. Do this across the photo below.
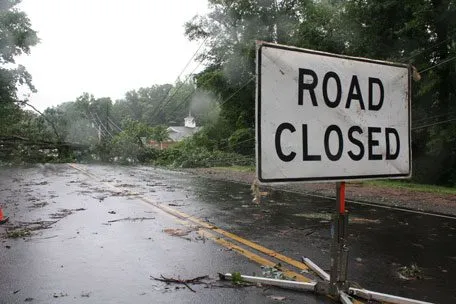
(277, 298)
(412, 272)
(85, 295)
(236, 278)
(176, 232)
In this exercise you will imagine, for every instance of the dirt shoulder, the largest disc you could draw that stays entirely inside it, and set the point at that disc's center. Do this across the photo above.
(441, 203)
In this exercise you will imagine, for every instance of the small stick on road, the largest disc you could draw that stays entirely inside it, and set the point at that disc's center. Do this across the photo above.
(132, 219)
(196, 280)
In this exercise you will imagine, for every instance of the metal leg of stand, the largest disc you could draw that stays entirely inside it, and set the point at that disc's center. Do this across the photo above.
(344, 298)
(276, 282)
(383, 297)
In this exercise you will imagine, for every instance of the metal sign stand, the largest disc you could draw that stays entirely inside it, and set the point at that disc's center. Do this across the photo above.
(339, 247)
(334, 284)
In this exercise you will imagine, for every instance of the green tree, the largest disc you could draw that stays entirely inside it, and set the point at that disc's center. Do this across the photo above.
(230, 30)
(421, 33)
(16, 38)
(160, 134)
(128, 145)
(159, 104)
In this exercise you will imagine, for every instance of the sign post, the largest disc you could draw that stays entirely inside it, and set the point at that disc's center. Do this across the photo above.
(326, 117)
(339, 246)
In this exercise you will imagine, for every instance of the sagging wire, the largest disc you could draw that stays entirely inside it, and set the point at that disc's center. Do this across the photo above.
(438, 64)
(434, 124)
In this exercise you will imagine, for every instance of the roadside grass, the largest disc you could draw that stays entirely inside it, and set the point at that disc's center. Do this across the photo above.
(236, 168)
(376, 183)
(411, 186)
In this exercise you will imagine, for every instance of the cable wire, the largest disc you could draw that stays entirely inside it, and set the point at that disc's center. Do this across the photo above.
(102, 125)
(115, 125)
(434, 124)
(430, 47)
(438, 64)
(232, 95)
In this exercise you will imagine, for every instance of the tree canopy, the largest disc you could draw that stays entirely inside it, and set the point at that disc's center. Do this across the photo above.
(16, 38)
(418, 32)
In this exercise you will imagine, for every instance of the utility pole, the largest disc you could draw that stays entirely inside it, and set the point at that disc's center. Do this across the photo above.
(107, 116)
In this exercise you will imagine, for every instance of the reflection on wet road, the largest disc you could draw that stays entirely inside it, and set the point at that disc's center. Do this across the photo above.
(395, 252)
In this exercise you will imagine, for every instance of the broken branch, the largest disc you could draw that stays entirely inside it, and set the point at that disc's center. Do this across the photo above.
(132, 219)
(196, 280)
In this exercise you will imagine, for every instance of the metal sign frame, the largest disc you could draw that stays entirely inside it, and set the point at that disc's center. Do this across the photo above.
(259, 109)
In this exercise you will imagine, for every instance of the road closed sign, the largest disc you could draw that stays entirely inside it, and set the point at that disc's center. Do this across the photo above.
(322, 116)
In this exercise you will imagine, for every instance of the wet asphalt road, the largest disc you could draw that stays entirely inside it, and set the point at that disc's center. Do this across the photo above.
(83, 257)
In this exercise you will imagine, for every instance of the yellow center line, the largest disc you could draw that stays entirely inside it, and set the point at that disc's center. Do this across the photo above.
(185, 219)
(203, 232)
(235, 237)
(206, 225)
(252, 256)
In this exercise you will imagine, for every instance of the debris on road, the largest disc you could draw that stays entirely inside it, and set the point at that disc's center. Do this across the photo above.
(38, 205)
(18, 233)
(100, 198)
(314, 215)
(236, 280)
(132, 219)
(274, 272)
(256, 193)
(85, 295)
(359, 220)
(25, 229)
(175, 205)
(197, 280)
(60, 295)
(412, 272)
(277, 298)
(176, 232)
(62, 213)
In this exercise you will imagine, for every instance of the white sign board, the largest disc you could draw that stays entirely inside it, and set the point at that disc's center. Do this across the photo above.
(322, 116)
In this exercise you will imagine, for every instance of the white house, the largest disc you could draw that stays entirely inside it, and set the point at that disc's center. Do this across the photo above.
(178, 133)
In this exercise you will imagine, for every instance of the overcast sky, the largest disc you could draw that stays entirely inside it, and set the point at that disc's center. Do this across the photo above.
(107, 47)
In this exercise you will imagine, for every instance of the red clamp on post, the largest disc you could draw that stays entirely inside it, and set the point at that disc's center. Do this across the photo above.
(342, 198)
(3, 218)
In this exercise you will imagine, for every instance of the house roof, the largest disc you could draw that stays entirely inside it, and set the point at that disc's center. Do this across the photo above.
(177, 133)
